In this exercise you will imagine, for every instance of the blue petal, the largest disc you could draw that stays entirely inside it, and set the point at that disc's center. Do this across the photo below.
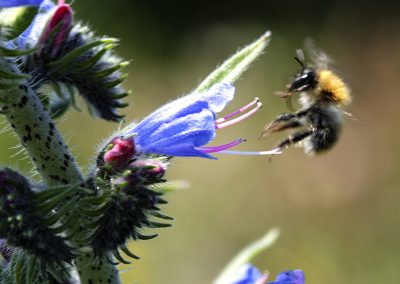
(177, 128)
(215, 99)
(31, 35)
(290, 277)
(16, 3)
(218, 96)
(247, 274)
(179, 137)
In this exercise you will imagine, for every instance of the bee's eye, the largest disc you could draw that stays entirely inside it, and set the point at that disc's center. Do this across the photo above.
(303, 81)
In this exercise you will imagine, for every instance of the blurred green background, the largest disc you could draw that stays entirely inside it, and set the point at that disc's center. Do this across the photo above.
(338, 213)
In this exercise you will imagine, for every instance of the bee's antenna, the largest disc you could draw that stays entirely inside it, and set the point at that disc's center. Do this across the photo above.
(300, 59)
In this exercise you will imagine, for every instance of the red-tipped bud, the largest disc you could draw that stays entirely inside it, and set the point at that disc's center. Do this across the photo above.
(58, 27)
(141, 173)
(121, 152)
(149, 169)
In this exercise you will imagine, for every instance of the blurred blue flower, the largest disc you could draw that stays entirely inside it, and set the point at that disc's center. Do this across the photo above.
(30, 37)
(247, 274)
(289, 277)
(182, 126)
(16, 3)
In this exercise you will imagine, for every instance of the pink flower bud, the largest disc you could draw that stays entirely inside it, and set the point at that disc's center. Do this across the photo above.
(121, 153)
(149, 169)
(58, 26)
(141, 173)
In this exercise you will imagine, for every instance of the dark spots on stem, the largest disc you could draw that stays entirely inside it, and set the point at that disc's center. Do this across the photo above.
(55, 177)
(66, 163)
(23, 101)
(23, 87)
(26, 138)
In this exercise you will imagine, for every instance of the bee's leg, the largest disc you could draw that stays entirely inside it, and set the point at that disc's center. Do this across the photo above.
(285, 121)
(295, 138)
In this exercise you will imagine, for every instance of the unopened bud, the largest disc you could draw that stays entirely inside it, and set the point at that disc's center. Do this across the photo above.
(120, 154)
(57, 28)
(141, 173)
(149, 169)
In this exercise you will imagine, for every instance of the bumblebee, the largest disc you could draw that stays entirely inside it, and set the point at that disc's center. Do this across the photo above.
(322, 96)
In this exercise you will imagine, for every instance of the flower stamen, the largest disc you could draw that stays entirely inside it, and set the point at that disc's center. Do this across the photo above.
(275, 151)
(225, 122)
(214, 149)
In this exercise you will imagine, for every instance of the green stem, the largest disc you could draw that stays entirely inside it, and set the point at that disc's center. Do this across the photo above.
(51, 157)
(96, 272)
(39, 136)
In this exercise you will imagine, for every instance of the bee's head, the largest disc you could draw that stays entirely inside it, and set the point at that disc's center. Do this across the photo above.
(305, 80)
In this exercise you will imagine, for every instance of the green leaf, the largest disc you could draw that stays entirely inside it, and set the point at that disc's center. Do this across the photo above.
(161, 216)
(247, 254)
(109, 71)
(90, 62)
(15, 52)
(128, 252)
(31, 269)
(146, 237)
(4, 74)
(59, 65)
(57, 200)
(118, 256)
(51, 192)
(65, 208)
(235, 66)
(94, 212)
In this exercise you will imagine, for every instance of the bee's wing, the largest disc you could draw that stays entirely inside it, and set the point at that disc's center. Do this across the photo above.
(319, 58)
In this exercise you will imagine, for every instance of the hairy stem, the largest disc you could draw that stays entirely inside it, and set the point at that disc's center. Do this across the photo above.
(96, 271)
(40, 138)
(51, 157)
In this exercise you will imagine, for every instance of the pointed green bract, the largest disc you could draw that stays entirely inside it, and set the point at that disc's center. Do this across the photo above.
(235, 66)
(15, 52)
(73, 55)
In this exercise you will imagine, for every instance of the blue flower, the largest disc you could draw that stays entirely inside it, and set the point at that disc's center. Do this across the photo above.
(16, 3)
(182, 127)
(247, 274)
(31, 35)
(290, 277)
